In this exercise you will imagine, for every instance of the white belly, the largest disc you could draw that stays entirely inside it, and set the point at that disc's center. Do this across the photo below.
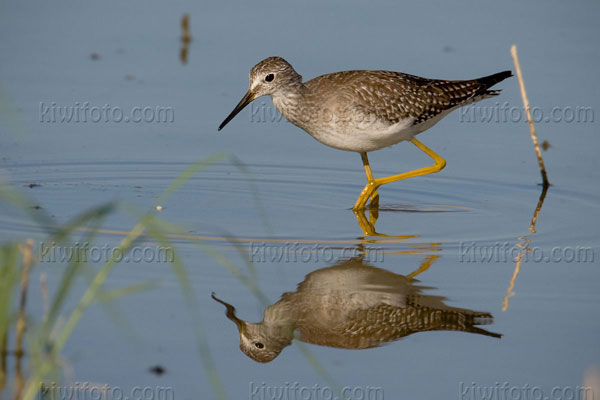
(369, 136)
(352, 132)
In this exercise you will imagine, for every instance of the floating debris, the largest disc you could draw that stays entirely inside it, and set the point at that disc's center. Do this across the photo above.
(186, 38)
(157, 370)
(546, 145)
(95, 56)
(33, 185)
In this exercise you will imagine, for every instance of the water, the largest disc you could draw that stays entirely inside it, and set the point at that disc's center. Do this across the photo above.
(293, 195)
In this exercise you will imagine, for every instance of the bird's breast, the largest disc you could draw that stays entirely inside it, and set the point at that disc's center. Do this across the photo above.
(345, 128)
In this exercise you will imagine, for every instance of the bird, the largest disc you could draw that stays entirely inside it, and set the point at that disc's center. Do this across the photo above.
(352, 305)
(363, 110)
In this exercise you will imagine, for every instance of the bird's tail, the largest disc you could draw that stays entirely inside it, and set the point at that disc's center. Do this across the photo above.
(465, 92)
(489, 81)
(465, 321)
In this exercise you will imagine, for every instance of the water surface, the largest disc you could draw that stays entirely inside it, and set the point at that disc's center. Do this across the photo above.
(293, 195)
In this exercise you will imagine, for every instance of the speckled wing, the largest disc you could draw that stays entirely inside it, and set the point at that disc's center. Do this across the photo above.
(376, 326)
(385, 323)
(393, 96)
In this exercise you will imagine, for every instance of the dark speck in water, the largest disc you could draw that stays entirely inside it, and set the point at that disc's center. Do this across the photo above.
(546, 145)
(157, 370)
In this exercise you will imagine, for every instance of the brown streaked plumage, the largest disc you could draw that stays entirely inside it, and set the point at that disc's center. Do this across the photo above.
(363, 111)
(394, 96)
(352, 305)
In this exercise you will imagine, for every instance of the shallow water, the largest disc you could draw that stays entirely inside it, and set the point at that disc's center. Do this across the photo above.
(287, 208)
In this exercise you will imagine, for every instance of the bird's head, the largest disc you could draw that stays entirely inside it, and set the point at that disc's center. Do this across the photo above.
(269, 77)
(260, 341)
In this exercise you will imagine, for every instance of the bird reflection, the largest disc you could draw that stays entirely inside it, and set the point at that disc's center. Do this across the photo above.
(352, 305)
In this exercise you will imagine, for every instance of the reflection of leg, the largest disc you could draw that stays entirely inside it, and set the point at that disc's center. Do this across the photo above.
(373, 184)
(374, 212)
(367, 227)
(425, 264)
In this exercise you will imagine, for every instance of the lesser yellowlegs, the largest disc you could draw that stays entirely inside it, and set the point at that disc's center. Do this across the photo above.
(363, 111)
(353, 305)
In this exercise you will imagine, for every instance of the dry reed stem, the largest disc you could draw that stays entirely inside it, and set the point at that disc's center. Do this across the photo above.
(534, 139)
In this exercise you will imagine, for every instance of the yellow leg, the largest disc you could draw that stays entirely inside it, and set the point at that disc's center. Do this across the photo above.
(374, 198)
(425, 264)
(371, 188)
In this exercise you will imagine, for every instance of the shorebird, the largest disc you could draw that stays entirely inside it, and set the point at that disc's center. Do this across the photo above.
(352, 305)
(364, 111)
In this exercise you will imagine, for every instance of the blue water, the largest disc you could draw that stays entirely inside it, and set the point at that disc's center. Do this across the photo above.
(294, 191)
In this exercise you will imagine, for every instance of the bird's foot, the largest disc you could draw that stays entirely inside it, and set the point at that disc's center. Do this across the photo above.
(369, 192)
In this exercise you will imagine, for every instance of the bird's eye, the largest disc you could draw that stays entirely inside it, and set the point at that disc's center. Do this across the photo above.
(269, 77)
(259, 345)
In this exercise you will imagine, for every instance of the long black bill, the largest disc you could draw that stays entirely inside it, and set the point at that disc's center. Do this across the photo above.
(230, 312)
(247, 99)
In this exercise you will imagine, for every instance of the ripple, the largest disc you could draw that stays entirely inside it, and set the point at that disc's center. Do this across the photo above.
(298, 202)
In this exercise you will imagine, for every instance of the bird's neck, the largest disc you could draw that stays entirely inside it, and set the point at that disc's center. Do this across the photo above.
(290, 102)
(281, 313)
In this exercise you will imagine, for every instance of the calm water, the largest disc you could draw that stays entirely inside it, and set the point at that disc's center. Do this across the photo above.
(289, 206)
